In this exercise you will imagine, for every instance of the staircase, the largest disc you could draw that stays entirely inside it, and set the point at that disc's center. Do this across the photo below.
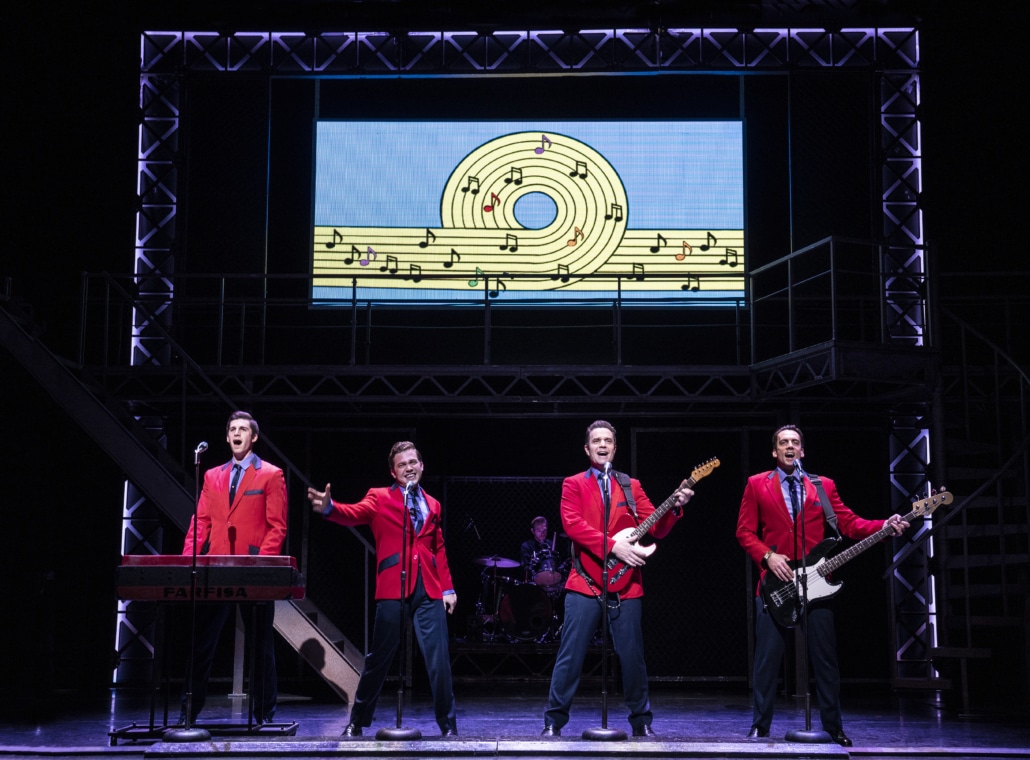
(982, 544)
(156, 474)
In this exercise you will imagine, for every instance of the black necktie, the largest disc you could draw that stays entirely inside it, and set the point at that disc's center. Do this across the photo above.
(795, 505)
(236, 470)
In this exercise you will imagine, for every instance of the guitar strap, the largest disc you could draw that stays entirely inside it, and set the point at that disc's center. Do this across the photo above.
(831, 516)
(627, 488)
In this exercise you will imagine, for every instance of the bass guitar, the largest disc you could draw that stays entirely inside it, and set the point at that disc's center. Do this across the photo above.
(784, 600)
(618, 572)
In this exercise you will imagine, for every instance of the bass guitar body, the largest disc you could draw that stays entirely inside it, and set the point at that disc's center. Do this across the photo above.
(784, 599)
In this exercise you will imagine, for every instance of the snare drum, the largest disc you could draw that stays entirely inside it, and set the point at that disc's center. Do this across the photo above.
(546, 569)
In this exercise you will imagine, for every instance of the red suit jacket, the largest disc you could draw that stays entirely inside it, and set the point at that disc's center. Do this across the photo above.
(383, 509)
(765, 524)
(255, 523)
(582, 516)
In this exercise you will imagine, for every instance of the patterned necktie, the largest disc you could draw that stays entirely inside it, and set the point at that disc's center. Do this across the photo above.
(416, 513)
(795, 505)
(236, 470)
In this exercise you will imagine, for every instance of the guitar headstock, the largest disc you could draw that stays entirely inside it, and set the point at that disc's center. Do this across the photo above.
(704, 469)
(926, 506)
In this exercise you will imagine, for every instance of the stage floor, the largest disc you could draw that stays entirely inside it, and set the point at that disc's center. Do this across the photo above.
(505, 719)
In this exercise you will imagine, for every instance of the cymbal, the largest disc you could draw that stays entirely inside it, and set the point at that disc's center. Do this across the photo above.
(496, 561)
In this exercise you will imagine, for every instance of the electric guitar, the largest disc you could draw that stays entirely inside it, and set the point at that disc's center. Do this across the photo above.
(618, 572)
(783, 598)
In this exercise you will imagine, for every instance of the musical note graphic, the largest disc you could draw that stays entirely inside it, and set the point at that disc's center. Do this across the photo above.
(414, 273)
(580, 170)
(425, 243)
(390, 259)
(455, 256)
(544, 143)
(494, 199)
(687, 250)
(638, 272)
(712, 240)
(515, 175)
(511, 243)
(372, 256)
(660, 243)
(616, 213)
(563, 273)
(498, 287)
(692, 284)
(472, 184)
(475, 282)
(354, 253)
(730, 258)
(577, 234)
(337, 238)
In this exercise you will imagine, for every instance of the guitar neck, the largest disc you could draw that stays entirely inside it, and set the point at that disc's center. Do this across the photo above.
(641, 530)
(850, 553)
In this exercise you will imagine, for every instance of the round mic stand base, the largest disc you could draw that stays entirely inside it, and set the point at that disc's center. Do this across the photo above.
(399, 734)
(604, 734)
(192, 734)
(808, 736)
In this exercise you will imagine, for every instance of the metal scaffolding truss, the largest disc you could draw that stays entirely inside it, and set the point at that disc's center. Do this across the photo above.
(168, 57)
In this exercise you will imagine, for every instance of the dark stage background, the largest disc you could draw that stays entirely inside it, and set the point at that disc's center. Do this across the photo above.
(70, 129)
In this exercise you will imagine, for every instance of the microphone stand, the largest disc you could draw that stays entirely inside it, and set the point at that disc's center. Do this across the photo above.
(604, 733)
(189, 732)
(399, 733)
(806, 735)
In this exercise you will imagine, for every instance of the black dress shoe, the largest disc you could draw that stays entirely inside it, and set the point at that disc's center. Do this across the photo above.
(757, 732)
(644, 730)
(841, 738)
(352, 729)
(551, 731)
(448, 733)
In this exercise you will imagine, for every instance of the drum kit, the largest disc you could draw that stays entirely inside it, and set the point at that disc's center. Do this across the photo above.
(516, 610)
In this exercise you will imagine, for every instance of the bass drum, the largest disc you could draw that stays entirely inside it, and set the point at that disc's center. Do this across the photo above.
(526, 612)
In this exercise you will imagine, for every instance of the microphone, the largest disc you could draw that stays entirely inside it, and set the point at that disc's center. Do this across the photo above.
(799, 469)
(409, 487)
(607, 469)
(201, 448)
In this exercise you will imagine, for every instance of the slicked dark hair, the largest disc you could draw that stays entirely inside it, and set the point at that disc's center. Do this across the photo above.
(795, 428)
(400, 446)
(599, 424)
(243, 416)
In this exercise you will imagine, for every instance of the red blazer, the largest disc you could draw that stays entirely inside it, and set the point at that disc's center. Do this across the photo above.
(764, 522)
(383, 509)
(582, 516)
(255, 523)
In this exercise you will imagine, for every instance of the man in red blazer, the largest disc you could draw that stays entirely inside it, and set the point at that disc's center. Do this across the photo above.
(582, 515)
(242, 510)
(401, 516)
(765, 528)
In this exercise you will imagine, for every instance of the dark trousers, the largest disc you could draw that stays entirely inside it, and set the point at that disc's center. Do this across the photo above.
(582, 617)
(430, 620)
(770, 642)
(211, 618)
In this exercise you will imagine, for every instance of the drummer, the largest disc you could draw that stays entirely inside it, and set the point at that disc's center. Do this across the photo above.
(537, 551)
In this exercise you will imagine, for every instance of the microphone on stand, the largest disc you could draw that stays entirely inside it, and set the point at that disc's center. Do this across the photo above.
(799, 469)
(201, 448)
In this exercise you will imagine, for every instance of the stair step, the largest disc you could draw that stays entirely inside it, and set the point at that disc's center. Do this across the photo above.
(960, 653)
(932, 684)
